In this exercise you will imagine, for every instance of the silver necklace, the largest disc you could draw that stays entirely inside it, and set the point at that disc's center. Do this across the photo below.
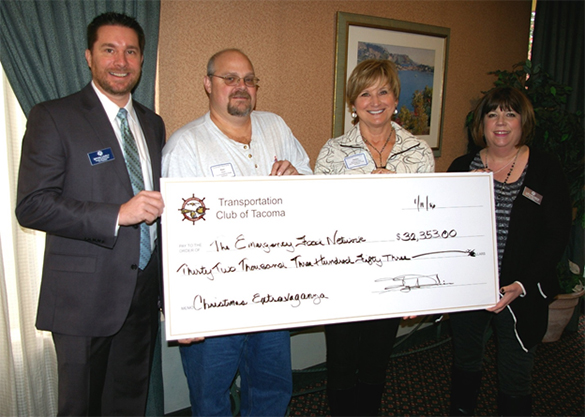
(501, 190)
(504, 166)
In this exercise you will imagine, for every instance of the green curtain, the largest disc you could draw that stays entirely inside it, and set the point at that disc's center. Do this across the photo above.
(42, 46)
(558, 45)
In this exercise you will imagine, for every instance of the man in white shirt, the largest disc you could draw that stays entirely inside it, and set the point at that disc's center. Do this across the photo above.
(233, 139)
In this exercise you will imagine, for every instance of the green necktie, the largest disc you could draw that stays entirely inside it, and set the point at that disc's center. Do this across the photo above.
(135, 171)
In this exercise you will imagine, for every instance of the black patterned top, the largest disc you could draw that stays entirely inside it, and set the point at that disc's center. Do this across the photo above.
(505, 194)
(538, 234)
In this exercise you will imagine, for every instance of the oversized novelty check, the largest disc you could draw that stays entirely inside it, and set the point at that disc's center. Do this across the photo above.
(252, 254)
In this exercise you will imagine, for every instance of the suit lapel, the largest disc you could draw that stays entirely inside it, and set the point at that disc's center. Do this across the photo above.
(102, 127)
(152, 142)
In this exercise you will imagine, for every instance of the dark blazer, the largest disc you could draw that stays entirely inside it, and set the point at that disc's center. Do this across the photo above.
(537, 237)
(89, 273)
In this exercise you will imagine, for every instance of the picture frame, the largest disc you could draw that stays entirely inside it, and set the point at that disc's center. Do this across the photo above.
(420, 52)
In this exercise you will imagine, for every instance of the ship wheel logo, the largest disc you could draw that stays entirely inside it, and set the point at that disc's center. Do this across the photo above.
(193, 209)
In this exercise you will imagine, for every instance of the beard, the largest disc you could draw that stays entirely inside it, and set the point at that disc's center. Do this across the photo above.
(241, 109)
(122, 87)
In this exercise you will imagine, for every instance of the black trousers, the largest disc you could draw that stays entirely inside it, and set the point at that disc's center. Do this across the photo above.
(110, 375)
(359, 351)
(514, 363)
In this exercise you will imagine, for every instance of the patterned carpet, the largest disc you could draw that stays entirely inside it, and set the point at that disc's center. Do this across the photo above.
(417, 382)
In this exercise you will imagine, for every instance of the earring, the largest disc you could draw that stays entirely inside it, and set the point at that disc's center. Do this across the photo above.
(353, 114)
(396, 109)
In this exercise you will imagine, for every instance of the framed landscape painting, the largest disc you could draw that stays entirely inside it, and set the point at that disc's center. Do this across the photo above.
(420, 54)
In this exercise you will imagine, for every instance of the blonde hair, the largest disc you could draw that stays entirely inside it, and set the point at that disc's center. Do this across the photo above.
(366, 74)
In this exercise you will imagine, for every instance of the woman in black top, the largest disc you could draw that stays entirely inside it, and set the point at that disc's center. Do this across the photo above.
(533, 217)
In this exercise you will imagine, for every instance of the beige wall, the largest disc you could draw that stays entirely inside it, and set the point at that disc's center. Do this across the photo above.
(292, 46)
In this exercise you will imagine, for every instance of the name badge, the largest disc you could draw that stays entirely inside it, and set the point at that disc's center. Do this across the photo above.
(101, 156)
(532, 195)
(223, 170)
(356, 161)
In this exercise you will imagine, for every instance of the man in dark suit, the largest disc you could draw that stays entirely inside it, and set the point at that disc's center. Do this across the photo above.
(89, 177)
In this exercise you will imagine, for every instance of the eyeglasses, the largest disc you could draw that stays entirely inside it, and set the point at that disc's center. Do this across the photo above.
(232, 80)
